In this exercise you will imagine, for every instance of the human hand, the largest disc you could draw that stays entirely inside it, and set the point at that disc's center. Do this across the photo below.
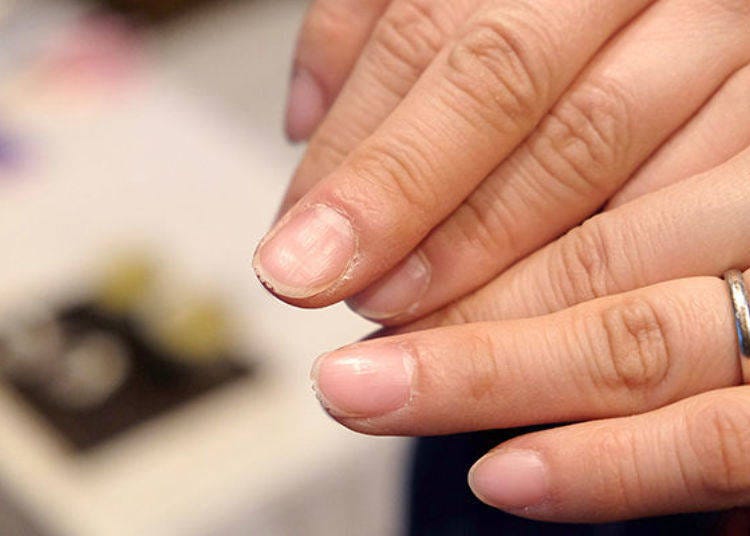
(654, 369)
(470, 133)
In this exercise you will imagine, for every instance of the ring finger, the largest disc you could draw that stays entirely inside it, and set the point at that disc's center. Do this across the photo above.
(614, 356)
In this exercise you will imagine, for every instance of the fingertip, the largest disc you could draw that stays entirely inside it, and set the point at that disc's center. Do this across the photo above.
(306, 106)
(396, 294)
(306, 254)
(363, 382)
(510, 479)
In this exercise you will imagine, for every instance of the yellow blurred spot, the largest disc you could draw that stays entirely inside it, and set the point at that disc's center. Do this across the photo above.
(197, 332)
(126, 282)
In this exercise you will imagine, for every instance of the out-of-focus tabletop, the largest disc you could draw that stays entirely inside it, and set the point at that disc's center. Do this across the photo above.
(192, 156)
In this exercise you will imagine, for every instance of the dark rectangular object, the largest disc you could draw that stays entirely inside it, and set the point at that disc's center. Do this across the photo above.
(156, 383)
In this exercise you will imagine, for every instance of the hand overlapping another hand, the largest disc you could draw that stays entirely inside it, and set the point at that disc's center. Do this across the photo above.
(470, 135)
(662, 352)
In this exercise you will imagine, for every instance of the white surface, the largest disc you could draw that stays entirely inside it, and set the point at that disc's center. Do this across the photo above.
(201, 188)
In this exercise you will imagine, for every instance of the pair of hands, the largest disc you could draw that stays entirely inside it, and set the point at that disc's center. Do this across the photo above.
(454, 142)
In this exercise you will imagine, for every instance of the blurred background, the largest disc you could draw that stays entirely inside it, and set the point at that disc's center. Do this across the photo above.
(148, 385)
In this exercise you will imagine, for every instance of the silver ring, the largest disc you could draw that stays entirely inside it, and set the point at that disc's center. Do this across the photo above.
(741, 308)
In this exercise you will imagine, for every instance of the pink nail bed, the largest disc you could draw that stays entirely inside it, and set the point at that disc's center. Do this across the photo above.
(511, 480)
(364, 382)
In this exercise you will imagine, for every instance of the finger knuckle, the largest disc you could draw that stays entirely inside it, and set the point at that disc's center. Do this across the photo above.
(471, 376)
(629, 341)
(718, 431)
(500, 65)
(407, 37)
(483, 369)
(395, 174)
(613, 450)
(586, 137)
(586, 265)
(485, 224)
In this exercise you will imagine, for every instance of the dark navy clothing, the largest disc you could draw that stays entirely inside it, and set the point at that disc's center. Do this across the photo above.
(442, 504)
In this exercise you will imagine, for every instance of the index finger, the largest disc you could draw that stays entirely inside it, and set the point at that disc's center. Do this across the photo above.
(483, 94)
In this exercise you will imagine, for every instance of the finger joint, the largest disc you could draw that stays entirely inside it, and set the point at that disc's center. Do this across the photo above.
(584, 266)
(500, 65)
(630, 346)
(613, 450)
(409, 36)
(484, 223)
(585, 140)
(719, 434)
(398, 172)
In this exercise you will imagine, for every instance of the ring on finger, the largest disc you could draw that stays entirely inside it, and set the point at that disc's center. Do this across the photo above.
(741, 309)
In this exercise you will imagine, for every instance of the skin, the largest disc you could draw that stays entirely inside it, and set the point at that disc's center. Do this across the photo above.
(655, 369)
(513, 128)
(454, 143)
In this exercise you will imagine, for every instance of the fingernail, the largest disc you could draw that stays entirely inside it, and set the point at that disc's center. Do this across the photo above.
(510, 480)
(364, 382)
(305, 107)
(397, 293)
(308, 254)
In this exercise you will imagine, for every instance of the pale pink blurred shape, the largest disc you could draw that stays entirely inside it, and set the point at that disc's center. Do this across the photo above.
(99, 55)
